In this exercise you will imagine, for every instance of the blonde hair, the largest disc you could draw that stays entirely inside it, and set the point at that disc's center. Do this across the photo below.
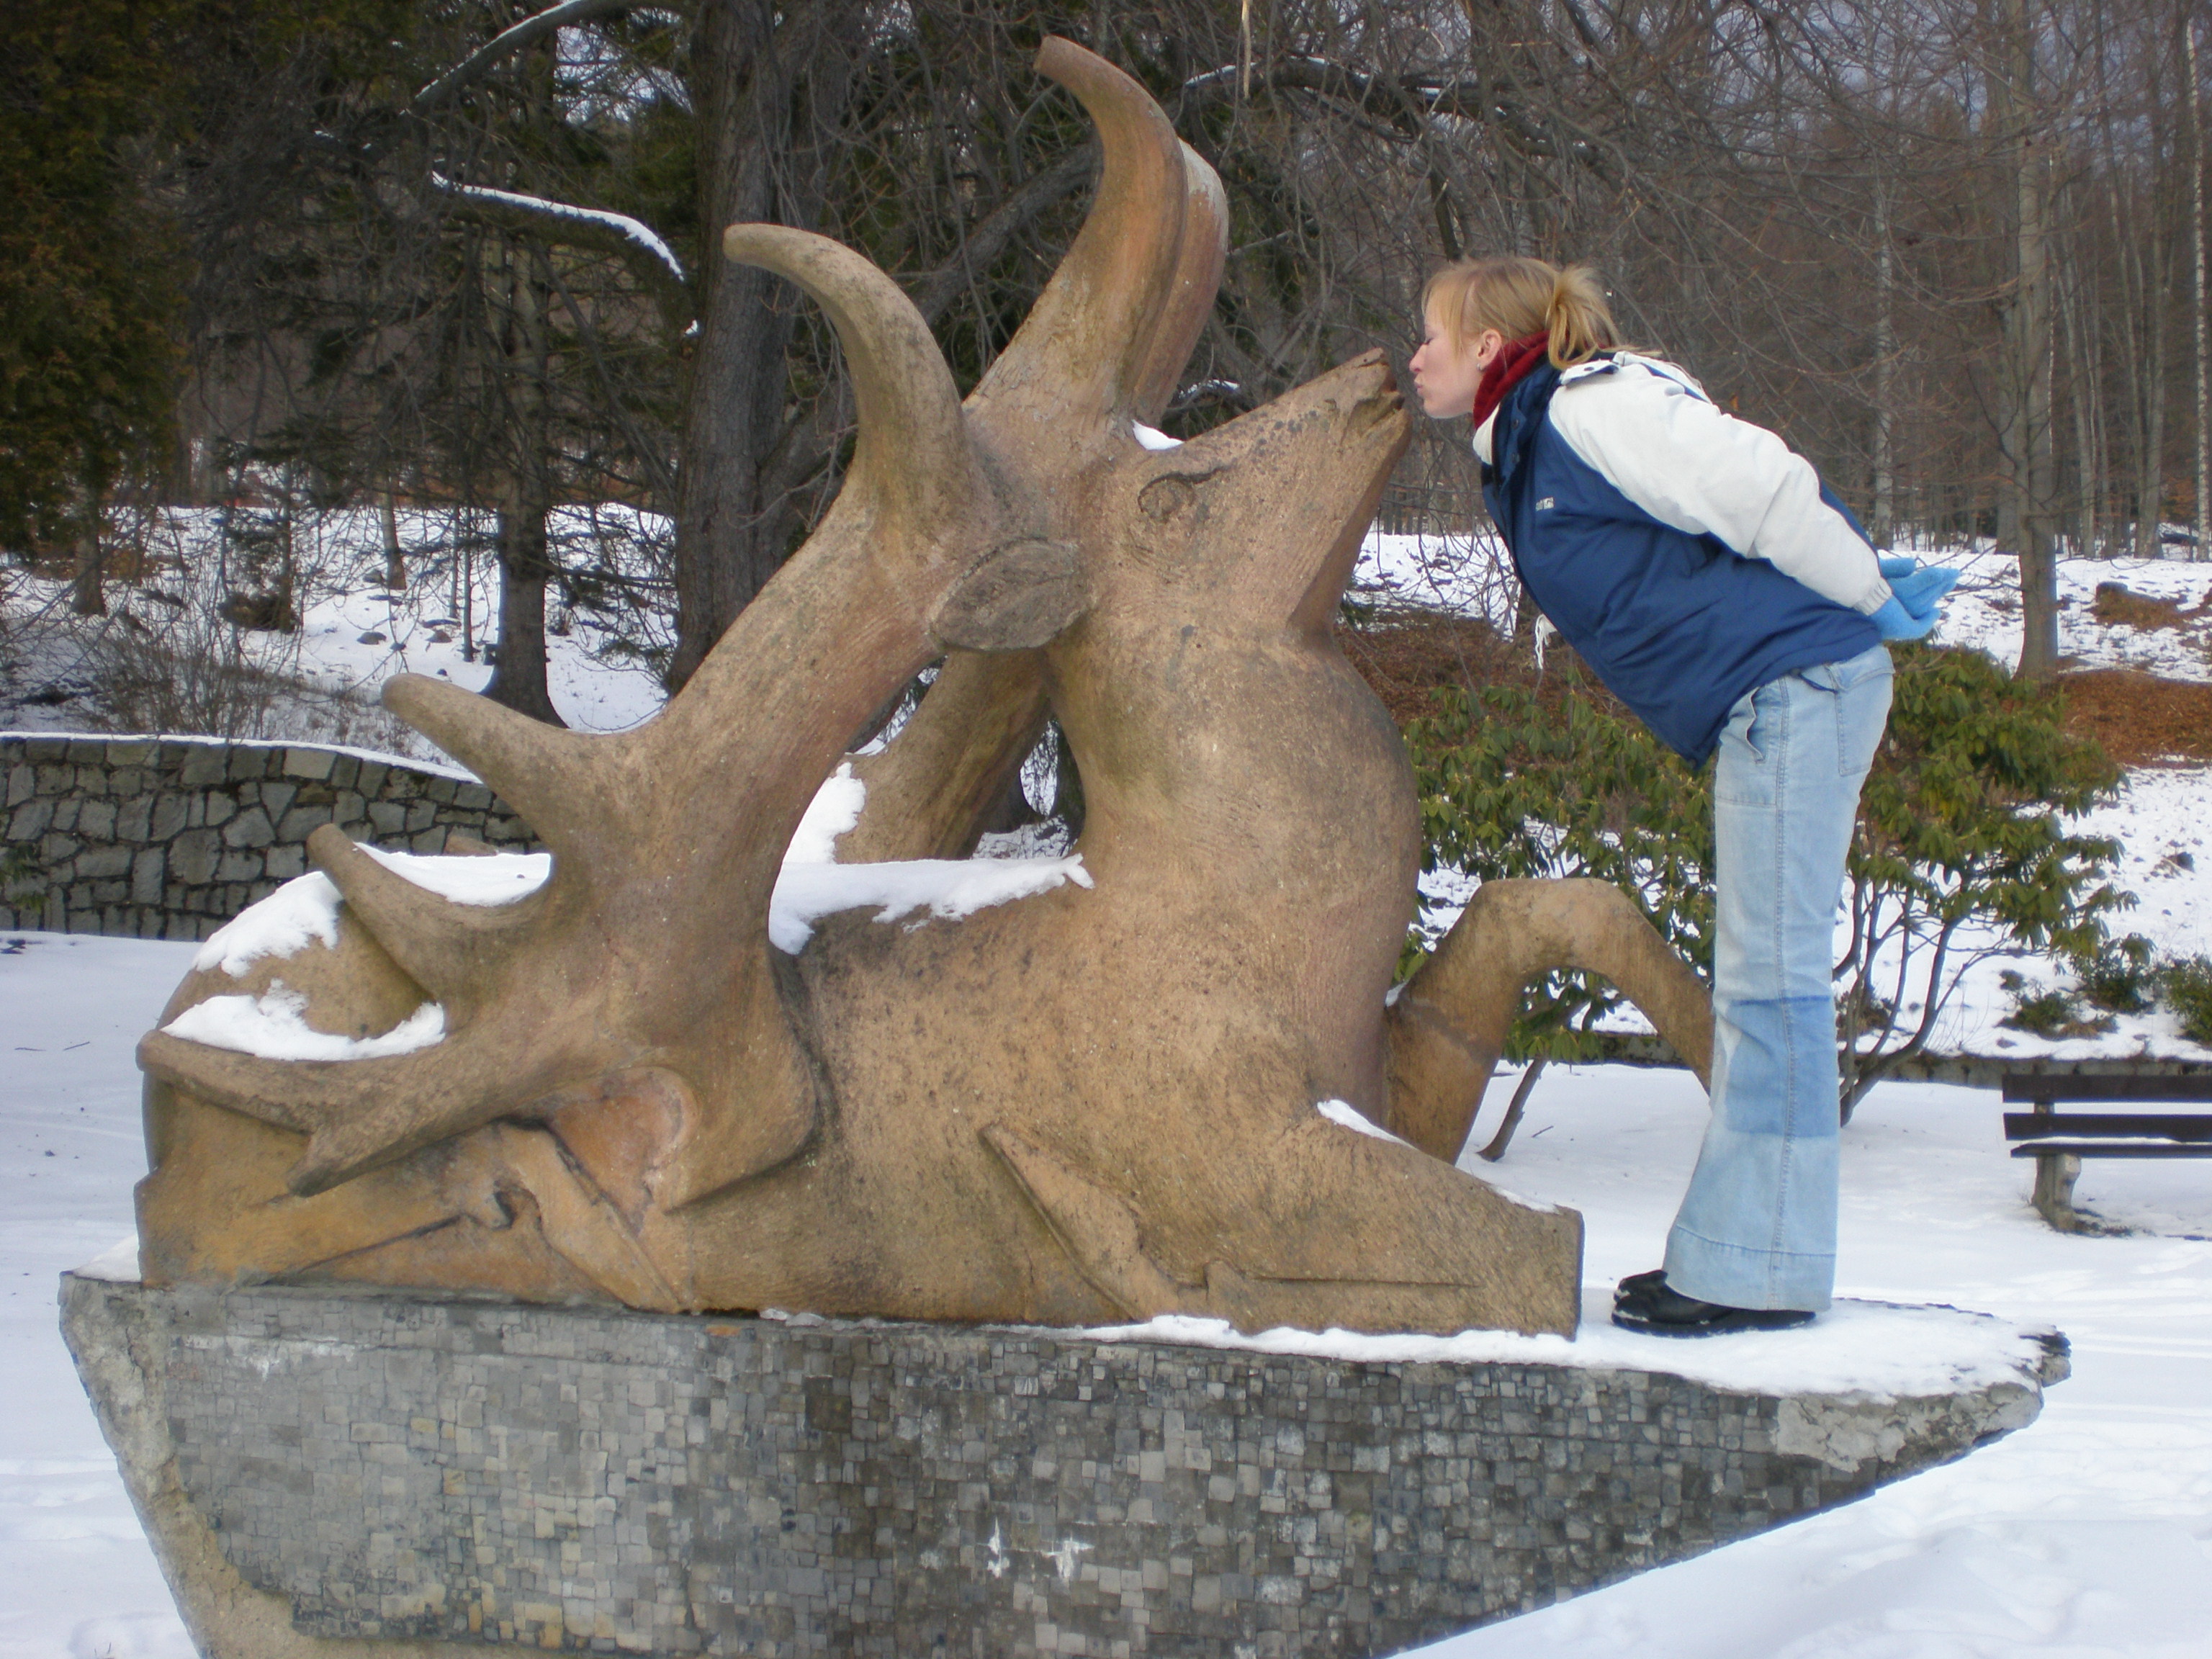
(1519, 297)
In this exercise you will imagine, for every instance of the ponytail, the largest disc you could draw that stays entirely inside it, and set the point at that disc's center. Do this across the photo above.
(1576, 317)
(1519, 297)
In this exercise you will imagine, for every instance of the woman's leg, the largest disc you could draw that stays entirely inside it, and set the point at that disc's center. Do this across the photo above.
(1758, 1228)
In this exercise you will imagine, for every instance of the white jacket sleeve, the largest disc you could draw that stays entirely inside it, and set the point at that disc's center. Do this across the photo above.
(1689, 465)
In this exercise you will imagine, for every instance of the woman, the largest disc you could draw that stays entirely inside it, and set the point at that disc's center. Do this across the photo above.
(1724, 594)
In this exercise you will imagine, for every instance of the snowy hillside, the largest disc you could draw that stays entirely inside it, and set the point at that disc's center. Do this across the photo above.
(353, 632)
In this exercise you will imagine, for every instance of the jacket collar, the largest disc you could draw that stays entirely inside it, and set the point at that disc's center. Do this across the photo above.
(1507, 370)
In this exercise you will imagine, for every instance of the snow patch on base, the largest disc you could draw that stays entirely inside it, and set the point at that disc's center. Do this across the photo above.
(116, 1265)
(273, 1026)
(1872, 1350)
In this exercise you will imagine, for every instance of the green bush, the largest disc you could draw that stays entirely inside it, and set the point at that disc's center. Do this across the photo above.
(2187, 987)
(1514, 784)
(2121, 978)
(2050, 1011)
(1961, 822)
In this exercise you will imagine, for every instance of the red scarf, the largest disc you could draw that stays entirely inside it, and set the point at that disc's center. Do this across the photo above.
(1507, 370)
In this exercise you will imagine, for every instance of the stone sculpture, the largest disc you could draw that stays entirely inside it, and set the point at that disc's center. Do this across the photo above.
(1097, 1103)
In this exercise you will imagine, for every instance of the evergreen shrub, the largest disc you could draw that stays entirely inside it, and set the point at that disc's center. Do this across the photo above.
(1962, 850)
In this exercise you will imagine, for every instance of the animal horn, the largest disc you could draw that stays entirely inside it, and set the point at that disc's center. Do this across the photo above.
(1197, 279)
(1080, 356)
(912, 462)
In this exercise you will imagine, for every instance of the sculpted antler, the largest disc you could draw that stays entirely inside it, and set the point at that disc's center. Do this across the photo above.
(666, 840)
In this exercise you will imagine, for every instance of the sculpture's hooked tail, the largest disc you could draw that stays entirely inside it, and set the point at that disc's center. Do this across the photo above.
(1448, 1025)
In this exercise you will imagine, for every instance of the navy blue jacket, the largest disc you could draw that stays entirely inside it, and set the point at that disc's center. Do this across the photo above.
(1678, 625)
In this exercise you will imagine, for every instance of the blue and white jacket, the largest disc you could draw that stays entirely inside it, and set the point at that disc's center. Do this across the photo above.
(1688, 557)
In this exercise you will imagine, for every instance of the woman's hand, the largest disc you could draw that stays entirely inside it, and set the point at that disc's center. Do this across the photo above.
(1916, 593)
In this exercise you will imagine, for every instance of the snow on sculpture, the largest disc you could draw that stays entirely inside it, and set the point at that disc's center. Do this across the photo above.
(1156, 1086)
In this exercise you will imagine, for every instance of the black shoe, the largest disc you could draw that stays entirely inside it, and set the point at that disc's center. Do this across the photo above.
(1635, 1282)
(1645, 1303)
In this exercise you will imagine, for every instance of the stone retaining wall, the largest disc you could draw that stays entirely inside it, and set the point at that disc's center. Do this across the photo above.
(350, 1465)
(170, 837)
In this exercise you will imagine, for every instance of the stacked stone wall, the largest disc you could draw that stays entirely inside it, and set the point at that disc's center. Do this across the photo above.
(170, 837)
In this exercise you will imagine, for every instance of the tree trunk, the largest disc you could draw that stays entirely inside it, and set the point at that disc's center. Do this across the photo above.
(769, 99)
(88, 594)
(518, 676)
(1884, 372)
(2080, 397)
(395, 567)
(2150, 484)
(2203, 548)
(2024, 438)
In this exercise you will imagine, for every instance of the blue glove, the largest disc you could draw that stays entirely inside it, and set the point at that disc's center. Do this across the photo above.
(1894, 622)
(1910, 611)
(1921, 591)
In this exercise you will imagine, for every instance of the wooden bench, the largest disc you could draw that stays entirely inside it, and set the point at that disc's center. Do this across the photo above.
(2058, 1141)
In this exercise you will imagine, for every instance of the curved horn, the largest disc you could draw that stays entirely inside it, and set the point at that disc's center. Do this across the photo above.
(913, 460)
(1083, 350)
(1197, 280)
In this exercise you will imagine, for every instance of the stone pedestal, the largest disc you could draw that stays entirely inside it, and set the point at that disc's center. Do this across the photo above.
(326, 1473)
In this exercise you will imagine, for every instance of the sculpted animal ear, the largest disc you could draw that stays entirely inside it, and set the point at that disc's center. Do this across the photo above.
(1021, 595)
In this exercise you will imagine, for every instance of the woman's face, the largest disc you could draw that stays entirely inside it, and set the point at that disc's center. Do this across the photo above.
(1444, 378)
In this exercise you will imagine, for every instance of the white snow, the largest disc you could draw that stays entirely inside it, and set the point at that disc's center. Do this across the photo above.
(484, 878)
(1153, 438)
(273, 1026)
(635, 230)
(1344, 1112)
(354, 634)
(303, 911)
(1874, 1349)
(948, 888)
(1984, 611)
(834, 809)
(811, 886)
(2089, 1533)
(118, 1264)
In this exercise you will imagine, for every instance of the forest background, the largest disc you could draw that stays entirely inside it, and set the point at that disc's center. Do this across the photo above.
(270, 256)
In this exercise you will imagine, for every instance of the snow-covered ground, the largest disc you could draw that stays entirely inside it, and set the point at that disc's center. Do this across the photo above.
(2088, 1534)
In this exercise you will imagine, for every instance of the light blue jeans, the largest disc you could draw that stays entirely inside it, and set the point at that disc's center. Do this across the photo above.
(1758, 1229)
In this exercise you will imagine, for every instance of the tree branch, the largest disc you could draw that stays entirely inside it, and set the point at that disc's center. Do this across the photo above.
(633, 242)
(989, 240)
(506, 44)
